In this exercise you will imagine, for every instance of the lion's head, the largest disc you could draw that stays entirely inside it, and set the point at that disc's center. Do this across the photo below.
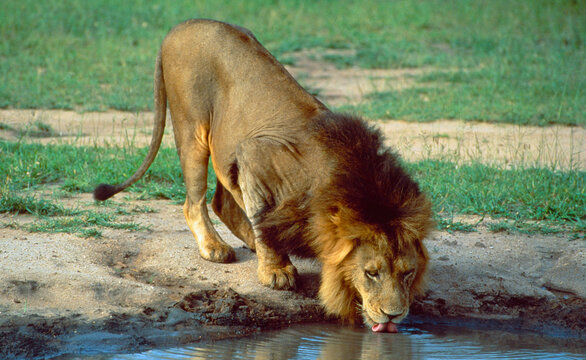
(369, 222)
(386, 282)
(370, 271)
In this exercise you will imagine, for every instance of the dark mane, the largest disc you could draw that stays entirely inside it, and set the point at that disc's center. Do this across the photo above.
(368, 176)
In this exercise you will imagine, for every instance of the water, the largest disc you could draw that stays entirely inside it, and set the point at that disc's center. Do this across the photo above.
(339, 342)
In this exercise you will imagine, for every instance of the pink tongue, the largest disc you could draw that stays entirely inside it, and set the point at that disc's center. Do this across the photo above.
(386, 327)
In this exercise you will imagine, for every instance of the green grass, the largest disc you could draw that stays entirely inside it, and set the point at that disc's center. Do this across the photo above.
(53, 217)
(85, 224)
(482, 98)
(80, 169)
(32, 168)
(553, 198)
(12, 203)
(525, 199)
(497, 60)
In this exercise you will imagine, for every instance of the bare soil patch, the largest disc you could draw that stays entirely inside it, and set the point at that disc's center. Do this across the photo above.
(556, 147)
(347, 85)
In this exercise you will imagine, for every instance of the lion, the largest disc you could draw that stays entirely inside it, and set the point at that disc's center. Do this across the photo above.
(293, 177)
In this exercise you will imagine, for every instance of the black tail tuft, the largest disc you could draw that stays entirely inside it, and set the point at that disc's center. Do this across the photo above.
(105, 191)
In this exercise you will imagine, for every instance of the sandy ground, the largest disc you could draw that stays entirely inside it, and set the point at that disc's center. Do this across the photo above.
(60, 293)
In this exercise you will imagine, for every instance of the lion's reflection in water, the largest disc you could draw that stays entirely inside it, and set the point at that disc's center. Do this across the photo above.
(333, 343)
(311, 342)
(342, 342)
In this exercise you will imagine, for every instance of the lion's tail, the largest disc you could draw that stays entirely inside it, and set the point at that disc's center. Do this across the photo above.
(106, 191)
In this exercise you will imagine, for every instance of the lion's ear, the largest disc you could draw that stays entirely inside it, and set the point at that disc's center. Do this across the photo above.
(330, 235)
(339, 251)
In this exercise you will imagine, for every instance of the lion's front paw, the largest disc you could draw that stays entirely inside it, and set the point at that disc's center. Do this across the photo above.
(217, 252)
(279, 278)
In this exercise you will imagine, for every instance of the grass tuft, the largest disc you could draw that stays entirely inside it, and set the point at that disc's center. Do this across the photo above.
(11, 203)
(87, 223)
(526, 196)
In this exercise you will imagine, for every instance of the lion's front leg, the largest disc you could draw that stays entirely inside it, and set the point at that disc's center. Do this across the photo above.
(259, 180)
(274, 270)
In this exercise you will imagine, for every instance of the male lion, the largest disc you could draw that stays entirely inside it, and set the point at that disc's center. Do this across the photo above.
(293, 177)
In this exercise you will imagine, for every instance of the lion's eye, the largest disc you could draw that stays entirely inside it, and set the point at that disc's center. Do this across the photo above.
(372, 274)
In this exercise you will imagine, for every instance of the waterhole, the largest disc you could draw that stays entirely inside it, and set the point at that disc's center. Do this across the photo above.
(339, 342)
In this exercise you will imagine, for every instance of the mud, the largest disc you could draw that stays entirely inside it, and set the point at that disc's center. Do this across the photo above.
(202, 315)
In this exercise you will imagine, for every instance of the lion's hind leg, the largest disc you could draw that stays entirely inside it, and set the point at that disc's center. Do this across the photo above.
(194, 158)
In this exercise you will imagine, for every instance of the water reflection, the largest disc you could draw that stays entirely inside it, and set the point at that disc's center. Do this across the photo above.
(328, 343)
(337, 342)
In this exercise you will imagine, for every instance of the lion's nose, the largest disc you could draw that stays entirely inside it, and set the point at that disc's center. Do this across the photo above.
(392, 314)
